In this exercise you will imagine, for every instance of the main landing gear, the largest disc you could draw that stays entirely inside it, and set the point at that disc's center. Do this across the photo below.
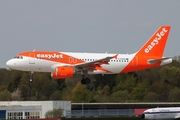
(85, 79)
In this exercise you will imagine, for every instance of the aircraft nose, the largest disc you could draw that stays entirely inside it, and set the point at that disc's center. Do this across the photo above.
(142, 116)
(9, 63)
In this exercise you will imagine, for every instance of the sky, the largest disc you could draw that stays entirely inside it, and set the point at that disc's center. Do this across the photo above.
(113, 26)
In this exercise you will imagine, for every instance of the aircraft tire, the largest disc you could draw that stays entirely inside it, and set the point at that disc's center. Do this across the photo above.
(85, 81)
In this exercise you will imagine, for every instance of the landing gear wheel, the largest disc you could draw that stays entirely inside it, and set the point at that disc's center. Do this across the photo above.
(85, 81)
(88, 80)
(30, 80)
(31, 77)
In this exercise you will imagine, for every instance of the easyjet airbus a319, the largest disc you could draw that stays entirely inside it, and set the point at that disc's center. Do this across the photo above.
(64, 65)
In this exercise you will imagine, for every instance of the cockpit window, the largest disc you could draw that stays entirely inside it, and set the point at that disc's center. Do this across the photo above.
(18, 57)
(147, 112)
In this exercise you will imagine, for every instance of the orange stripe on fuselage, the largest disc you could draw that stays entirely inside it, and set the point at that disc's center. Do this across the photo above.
(60, 57)
(52, 56)
(139, 64)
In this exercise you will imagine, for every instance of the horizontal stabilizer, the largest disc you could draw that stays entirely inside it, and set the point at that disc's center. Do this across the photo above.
(177, 117)
(154, 61)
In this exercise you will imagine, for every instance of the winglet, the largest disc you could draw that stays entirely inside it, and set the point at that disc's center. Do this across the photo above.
(115, 56)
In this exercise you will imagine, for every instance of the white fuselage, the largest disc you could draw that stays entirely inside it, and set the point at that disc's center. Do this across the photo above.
(114, 66)
(169, 113)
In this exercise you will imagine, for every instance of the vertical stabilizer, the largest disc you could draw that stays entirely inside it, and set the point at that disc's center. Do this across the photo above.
(156, 44)
(151, 53)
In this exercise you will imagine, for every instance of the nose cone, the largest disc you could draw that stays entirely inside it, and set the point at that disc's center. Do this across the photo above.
(142, 116)
(10, 63)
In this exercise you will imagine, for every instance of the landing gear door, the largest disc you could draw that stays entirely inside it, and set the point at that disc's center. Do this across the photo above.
(31, 58)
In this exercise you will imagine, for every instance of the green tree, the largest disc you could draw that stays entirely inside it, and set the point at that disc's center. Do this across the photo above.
(174, 95)
(125, 82)
(99, 97)
(4, 76)
(55, 113)
(79, 93)
(151, 97)
(120, 96)
(14, 79)
(138, 92)
(5, 96)
(56, 95)
(36, 89)
(103, 80)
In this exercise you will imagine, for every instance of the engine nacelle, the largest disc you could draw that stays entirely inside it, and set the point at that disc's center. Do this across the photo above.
(63, 72)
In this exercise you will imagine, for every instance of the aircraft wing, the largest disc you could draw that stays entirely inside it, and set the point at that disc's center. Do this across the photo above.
(98, 62)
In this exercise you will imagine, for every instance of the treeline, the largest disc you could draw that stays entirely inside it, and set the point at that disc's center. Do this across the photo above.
(161, 84)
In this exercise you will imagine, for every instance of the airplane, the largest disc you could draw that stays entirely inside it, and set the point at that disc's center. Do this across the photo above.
(169, 113)
(64, 65)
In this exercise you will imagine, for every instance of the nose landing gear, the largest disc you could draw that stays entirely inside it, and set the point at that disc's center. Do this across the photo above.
(31, 76)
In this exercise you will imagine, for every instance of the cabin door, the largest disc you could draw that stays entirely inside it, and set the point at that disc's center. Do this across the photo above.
(31, 58)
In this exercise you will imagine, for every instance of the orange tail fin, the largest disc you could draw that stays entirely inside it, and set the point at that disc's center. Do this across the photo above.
(156, 44)
(150, 55)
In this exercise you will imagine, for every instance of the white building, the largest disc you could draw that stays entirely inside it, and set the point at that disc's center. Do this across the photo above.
(31, 109)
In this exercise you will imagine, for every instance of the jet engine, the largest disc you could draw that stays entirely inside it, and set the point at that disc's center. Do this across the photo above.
(63, 72)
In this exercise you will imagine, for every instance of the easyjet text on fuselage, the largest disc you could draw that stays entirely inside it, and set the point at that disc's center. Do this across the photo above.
(49, 56)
